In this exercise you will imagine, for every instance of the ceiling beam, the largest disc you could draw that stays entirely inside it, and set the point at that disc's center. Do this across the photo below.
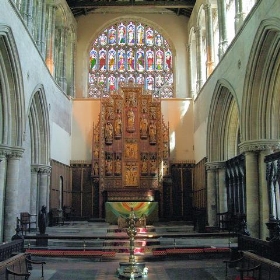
(184, 4)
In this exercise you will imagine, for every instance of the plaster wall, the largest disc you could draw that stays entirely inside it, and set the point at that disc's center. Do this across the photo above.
(177, 112)
(170, 25)
(85, 115)
(231, 71)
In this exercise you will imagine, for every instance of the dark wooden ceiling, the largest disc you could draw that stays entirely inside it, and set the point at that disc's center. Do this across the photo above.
(179, 7)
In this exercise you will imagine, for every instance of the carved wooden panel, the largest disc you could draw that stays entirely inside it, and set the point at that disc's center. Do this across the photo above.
(130, 145)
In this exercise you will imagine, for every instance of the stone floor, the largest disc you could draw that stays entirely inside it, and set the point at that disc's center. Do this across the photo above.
(60, 268)
(82, 269)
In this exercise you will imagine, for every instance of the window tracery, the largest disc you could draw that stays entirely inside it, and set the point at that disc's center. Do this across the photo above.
(130, 52)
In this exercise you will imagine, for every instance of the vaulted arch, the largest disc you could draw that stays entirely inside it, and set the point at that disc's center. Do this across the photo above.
(223, 124)
(12, 107)
(38, 116)
(261, 103)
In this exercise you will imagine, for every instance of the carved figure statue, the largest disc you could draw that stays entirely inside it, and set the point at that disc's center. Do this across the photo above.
(108, 132)
(95, 168)
(109, 167)
(130, 120)
(118, 167)
(152, 132)
(144, 167)
(118, 126)
(143, 126)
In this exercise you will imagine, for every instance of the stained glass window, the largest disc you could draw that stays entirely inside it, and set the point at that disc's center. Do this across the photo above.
(130, 52)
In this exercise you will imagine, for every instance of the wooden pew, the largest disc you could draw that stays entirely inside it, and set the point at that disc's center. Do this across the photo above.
(18, 267)
(252, 266)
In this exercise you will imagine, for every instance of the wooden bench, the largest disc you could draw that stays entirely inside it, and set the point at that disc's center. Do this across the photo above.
(7, 249)
(231, 222)
(17, 266)
(252, 266)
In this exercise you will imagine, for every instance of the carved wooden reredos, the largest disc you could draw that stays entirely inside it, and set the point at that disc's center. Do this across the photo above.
(130, 146)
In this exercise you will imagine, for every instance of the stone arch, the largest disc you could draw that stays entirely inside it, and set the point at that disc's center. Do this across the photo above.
(223, 124)
(38, 116)
(261, 99)
(38, 135)
(167, 85)
(12, 105)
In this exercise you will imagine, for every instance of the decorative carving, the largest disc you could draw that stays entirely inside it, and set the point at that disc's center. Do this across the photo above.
(259, 145)
(131, 150)
(153, 132)
(130, 146)
(95, 169)
(118, 166)
(131, 174)
(130, 121)
(143, 127)
(108, 133)
(215, 165)
(118, 127)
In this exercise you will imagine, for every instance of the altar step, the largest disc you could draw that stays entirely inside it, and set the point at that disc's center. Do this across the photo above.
(142, 245)
(158, 240)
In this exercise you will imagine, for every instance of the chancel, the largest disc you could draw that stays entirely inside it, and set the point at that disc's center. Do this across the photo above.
(167, 107)
(133, 162)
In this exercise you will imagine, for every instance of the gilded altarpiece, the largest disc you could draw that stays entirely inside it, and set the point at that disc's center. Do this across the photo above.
(130, 148)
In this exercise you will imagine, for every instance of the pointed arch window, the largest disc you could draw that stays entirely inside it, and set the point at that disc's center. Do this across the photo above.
(130, 51)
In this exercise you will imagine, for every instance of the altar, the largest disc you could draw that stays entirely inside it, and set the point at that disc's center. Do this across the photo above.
(145, 210)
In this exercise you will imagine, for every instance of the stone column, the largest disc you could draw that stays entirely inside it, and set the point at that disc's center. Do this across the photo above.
(252, 193)
(191, 92)
(211, 194)
(3, 169)
(41, 32)
(61, 63)
(34, 208)
(239, 15)
(222, 203)
(223, 41)
(209, 39)
(44, 173)
(216, 191)
(264, 200)
(199, 79)
(70, 65)
(28, 15)
(11, 195)
(257, 202)
(50, 36)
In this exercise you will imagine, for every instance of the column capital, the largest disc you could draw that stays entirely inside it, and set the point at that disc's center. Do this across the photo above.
(4, 151)
(44, 169)
(35, 168)
(214, 165)
(11, 152)
(207, 6)
(259, 145)
(16, 152)
(197, 29)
